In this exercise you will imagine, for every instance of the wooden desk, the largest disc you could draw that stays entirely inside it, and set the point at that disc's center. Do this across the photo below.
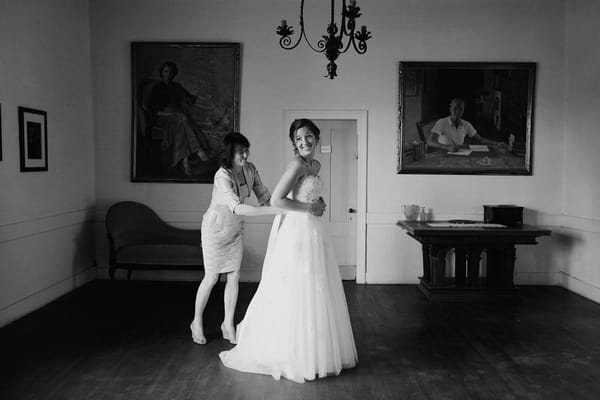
(492, 161)
(469, 243)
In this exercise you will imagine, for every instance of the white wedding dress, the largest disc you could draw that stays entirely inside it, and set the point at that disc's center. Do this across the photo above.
(297, 325)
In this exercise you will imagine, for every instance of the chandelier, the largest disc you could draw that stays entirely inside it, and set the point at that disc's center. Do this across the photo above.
(331, 44)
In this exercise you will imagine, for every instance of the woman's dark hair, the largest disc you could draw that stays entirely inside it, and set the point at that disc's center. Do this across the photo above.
(303, 123)
(229, 142)
(171, 65)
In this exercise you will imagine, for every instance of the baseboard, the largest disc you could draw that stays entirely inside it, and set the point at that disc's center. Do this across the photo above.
(154, 275)
(538, 278)
(414, 282)
(39, 299)
(348, 272)
(247, 274)
(580, 287)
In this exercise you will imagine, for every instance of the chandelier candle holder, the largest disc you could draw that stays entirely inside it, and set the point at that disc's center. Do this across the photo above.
(331, 44)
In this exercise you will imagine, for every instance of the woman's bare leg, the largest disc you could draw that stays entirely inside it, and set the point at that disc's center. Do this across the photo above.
(185, 164)
(197, 326)
(231, 295)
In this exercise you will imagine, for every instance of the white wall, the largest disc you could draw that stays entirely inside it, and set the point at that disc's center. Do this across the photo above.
(581, 234)
(46, 235)
(274, 80)
(470, 31)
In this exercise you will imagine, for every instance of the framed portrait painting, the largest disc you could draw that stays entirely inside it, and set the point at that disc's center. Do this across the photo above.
(466, 118)
(185, 99)
(33, 139)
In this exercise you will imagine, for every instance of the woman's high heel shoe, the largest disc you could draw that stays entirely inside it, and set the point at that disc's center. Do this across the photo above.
(195, 337)
(227, 335)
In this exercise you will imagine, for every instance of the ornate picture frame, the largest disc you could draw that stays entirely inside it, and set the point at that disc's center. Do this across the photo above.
(494, 134)
(185, 99)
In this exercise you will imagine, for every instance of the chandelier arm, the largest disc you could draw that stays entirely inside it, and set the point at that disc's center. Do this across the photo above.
(285, 42)
(320, 44)
(343, 30)
(361, 48)
(350, 41)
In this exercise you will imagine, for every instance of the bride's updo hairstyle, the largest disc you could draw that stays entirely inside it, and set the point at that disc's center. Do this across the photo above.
(230, 141)
(303, 123)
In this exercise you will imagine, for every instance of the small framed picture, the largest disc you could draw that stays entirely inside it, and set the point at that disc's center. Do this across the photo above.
(33, 139)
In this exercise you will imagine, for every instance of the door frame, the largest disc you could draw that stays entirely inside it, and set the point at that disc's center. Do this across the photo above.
(360, 116)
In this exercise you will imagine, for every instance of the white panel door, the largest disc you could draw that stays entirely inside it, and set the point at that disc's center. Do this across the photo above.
(339, 161)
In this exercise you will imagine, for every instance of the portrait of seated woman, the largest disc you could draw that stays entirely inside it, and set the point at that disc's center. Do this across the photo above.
(185, 100)
(168, 107)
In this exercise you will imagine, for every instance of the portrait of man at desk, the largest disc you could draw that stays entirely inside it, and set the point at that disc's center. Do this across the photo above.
(466, 118)
(449, 133)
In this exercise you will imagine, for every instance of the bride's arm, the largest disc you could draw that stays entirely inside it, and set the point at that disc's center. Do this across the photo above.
(287, 181)
(251, 211)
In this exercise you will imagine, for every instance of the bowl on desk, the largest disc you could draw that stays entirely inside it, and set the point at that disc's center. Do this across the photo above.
(411, 211)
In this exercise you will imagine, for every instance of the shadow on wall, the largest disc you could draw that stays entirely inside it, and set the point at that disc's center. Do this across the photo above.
(83, 254)
(568, 242)
(101, 244)
(552, 254)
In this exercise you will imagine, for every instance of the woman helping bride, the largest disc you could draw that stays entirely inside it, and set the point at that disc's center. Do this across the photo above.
(297, 326)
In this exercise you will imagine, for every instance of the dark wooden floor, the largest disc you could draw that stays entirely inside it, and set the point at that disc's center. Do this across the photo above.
(130, 340)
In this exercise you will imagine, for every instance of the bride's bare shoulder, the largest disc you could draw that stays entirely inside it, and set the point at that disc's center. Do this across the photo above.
(296, 164)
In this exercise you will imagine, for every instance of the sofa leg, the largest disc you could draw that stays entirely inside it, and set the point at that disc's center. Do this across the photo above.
(111, 273)
(129, 274)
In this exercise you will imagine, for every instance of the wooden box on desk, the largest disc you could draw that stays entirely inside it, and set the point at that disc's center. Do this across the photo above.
(504, 214)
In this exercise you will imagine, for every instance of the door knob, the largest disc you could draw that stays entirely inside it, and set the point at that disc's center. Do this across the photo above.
(352, 211)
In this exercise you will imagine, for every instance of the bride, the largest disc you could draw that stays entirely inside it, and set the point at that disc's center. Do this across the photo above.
(297, 325)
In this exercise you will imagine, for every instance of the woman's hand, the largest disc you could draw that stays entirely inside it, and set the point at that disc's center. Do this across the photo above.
(318, 208)
(279, 211)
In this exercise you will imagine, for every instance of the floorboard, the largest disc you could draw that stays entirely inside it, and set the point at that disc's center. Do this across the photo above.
(131, 340)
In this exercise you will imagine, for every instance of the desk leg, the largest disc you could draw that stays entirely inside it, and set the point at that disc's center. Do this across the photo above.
(460, 271)
(473, 259)
(501, 266)
(468, 285)
(426, 248)
(437, 259)
(434, 270)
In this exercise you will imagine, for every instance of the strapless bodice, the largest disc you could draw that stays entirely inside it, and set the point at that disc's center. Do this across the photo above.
(307, 189)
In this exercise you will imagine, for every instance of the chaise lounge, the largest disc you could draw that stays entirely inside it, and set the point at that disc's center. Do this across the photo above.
(140, 239)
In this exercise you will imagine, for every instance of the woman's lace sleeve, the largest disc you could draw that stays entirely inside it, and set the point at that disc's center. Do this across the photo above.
(226, 188)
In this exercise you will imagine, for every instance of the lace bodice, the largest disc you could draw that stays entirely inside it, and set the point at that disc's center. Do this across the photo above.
(307, 189)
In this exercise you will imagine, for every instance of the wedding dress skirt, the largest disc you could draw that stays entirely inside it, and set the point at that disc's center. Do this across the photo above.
(297, 325)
